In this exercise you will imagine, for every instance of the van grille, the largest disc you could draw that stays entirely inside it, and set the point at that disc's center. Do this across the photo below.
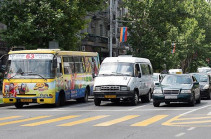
(171, 91)
(110, 88)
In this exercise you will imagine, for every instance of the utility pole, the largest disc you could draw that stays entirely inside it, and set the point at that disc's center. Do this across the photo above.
(116, 25)
(111, 29)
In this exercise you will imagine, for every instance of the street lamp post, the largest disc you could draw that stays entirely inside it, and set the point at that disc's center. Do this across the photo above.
(111, 30)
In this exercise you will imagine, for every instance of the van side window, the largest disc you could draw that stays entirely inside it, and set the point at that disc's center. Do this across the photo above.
(150, 69)
(145, 69)
(137, 70)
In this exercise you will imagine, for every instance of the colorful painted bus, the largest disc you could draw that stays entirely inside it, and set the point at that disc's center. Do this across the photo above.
(47, 76)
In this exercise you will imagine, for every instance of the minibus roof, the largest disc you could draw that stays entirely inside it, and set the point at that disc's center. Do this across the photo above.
(55, 51)
(126, 59)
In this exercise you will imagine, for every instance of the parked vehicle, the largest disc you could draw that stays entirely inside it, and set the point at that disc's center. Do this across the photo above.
(48, 76)
(205, 84)
(177, 88)
(204, 69)
(157, 78)
(124, 78)
(175, 71)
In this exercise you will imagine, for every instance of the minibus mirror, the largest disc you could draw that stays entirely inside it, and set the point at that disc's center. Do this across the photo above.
(54, 62)
(1, 64)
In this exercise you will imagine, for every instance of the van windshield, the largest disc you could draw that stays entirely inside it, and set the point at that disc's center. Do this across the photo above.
(117, 69)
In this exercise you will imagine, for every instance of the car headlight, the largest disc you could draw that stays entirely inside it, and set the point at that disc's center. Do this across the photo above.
(185, 91)
(97, 88)
(157, 91)
(206, 86)
(124, 88)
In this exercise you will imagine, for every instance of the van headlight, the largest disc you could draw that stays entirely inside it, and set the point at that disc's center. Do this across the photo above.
(185, 91)
(97, 88)
(157, 91)
(124, 88)
(206, 86)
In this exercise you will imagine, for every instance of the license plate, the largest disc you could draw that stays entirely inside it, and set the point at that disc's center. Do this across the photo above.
(26, 100)
(110, 96)
(170, 97)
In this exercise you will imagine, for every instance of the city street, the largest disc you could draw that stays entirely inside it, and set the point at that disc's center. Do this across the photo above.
(110, 120)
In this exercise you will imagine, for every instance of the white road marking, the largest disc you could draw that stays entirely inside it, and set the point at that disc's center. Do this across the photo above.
(194, 110)
(81, 110)
(138, 107)
(180, 134)
(209, 113)
(191, 128)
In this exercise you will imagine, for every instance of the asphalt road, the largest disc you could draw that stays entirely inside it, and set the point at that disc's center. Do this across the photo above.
(108, 121)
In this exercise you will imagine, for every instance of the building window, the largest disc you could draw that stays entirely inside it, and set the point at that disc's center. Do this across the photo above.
(101, 30)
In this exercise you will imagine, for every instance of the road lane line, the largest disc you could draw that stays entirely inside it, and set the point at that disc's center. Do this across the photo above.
(108, 110)
(150, 120)
(191, 128)
(180, 134)
(138, 107)
(193, 118)
(115, 121)
(176, 118)
(11, 117)
(23, 120)
(51, 120)
(192, 122)
(84, 120)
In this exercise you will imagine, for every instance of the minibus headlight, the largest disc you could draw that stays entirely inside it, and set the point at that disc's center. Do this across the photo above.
(45, 95)
(124, 88)
(185, 91)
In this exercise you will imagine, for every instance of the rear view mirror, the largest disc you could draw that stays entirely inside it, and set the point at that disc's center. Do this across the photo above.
(139, 75)
(54, 62)
(196, 83)
(157, 83)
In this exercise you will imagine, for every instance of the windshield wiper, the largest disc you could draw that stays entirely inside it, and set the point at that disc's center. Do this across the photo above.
(31, 73)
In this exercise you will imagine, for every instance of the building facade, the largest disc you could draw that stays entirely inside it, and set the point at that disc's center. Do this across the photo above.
(98, 30)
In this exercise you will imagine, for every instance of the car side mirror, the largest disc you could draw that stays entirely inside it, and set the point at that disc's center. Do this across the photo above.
(196, 83)
(157, 83)
(139, 75)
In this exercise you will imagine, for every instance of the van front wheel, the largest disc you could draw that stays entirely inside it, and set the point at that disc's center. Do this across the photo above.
(97, 101)
(135, 99)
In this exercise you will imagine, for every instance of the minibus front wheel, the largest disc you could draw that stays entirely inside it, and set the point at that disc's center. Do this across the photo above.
(19, 105)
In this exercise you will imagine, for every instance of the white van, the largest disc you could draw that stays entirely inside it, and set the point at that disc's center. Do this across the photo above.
(124, 78)
(175, 71)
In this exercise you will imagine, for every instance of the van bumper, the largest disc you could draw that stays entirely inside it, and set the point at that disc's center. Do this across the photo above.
(113, 95)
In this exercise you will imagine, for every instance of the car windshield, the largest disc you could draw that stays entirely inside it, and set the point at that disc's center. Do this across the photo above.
(201, 77)
(30, 68)
(174, 79)
(117, 69)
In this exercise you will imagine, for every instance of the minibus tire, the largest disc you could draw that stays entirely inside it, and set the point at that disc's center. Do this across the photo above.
(57, 104)
(147, 97)
(97, 101)
(62, 98)
(19, 105)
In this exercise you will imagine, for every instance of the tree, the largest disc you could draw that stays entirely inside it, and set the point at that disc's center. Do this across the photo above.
(33, 23)
(157, 24)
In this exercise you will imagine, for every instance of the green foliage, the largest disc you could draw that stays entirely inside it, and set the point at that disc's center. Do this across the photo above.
(36, 22)
(157, 24)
